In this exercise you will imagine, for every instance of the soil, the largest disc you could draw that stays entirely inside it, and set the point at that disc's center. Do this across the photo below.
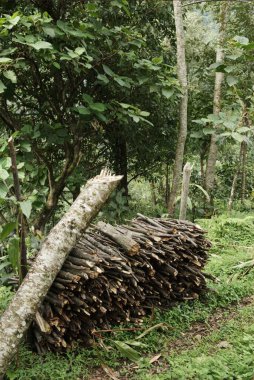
(190, 338)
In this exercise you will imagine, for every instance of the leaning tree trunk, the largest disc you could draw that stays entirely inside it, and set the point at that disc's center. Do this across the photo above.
(219, 78)
(183, 113)
(17, 318)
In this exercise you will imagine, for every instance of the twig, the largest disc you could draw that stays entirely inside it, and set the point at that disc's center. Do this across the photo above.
(14, 169)
(95, 332)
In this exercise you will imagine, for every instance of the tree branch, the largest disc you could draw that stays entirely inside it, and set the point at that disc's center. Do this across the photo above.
(194, 2)
(21, 217)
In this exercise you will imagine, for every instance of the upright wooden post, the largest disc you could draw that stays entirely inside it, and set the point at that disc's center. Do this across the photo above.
(185, 190)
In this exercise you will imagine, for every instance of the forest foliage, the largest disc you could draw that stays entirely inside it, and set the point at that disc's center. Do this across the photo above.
(84, 85)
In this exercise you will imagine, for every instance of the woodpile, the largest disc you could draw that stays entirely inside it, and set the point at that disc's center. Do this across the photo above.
(117, 274)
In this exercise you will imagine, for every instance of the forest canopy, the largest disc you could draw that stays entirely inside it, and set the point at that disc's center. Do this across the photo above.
(92, 84)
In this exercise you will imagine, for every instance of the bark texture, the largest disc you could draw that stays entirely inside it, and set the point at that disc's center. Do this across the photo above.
(185, 190)
(244, 163)
(219, 78)
(62, 238)
(21, 218)
(183, 113)
(236, 175)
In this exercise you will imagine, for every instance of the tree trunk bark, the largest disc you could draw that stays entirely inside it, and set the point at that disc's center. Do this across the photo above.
(182, 76)
(234, 182)
(185, 191)
(153, 193)
(167, 186)
(121, 162)
(244, 161)
(219, 77)
(20, 313)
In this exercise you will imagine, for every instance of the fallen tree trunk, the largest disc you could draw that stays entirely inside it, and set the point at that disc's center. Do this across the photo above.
(62, 238)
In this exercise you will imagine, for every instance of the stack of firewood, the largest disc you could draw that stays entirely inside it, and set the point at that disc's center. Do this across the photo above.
(116, 274)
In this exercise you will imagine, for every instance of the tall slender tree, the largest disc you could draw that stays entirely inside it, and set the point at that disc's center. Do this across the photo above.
(219, 77)
(183, 111)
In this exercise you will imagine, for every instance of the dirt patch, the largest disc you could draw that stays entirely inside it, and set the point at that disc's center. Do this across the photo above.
(188, 339)
(201, 329)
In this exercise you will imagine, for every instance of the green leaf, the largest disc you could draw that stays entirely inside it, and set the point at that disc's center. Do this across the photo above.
(161, 325)
(80, 50)
(229, 69)
(83, 110)
(9, 74)
(122, 81)
(14, 19)
(99, 107)
(242, 40)
(4, 265)
(218, 66)
(3, 190)
(122, 5)
(5, 60)
(125, 105)
(135, 118)
(214, 118)
(196, 135)
(225, 134)
(49, 31)
(7, 229)
(235, 56)
(243, 129)
(41, 45)
(25, 146)
(103, 78)
(3, 174)
(231, 81)
(108, 71)
(167, 93)
(2, 87)
(157, 60)
(13, 252)
(203, 191)
(208, 131)
(127, 351)
(199, 121)
(20, 165)
(136, 344)
(238, 137)
(26, 207)
(87, 98)
(56, 64)
(144, 113)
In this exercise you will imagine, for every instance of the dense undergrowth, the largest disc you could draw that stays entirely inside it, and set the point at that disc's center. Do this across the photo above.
(233, 239)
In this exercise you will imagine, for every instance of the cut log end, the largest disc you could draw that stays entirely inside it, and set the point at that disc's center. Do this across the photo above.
(118, 274)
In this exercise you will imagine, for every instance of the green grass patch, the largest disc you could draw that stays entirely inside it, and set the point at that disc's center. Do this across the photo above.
(232, 285)
(223, 355)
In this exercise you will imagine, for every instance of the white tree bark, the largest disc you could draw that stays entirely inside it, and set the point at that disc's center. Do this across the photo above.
(20, 313)
(183, 112)
(219, 78)
(185, 190)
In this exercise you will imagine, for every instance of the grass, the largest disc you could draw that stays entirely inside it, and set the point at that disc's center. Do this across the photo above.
(225, 354)
(233, 243)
